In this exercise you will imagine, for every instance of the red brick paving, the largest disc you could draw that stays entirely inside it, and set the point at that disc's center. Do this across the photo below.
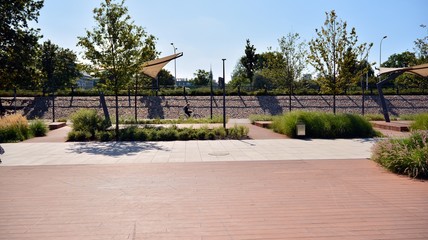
(328, 199)
(256, 132)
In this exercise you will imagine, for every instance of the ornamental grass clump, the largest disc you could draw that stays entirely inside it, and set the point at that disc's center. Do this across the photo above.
(13, 128)
(86, 122)
(408, 156)
(323, 125)
(38, 128)
(420, 122)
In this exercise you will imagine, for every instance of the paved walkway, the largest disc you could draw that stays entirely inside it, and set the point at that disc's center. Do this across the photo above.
(252, 189)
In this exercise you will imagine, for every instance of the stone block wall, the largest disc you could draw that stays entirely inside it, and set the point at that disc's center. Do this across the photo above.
(236, 106)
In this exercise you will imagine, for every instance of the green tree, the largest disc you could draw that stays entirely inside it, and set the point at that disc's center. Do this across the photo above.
(368, 75)
(239, 78)
(294, 53)
(349, 71)
(249, 60)
(18, 42)
(270, 72)
(58, 67)
(331, 53)
(398, 60)
(115, 47)
(404, 59)
(202, 78)
(421, 47)
(165, 78)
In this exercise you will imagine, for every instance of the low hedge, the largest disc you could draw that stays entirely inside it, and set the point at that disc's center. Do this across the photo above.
(87, 125)
(324, 125)
(408, 156)
(149, 133)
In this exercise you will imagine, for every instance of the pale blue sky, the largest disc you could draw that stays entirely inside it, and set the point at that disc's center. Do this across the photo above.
(207, 31)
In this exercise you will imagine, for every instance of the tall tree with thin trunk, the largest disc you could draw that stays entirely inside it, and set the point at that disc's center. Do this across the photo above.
(294, 52)
(249, 61)
(115, 47)
(330, 53)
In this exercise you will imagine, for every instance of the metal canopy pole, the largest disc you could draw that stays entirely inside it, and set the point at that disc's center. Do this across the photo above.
(381, 96)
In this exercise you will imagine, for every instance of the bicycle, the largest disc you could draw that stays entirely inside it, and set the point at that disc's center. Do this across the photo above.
(192, 115)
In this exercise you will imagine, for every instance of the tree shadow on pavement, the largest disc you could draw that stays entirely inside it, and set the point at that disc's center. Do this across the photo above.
(115, 149)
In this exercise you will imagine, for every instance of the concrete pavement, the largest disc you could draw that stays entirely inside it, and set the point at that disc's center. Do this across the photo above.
(24, 154)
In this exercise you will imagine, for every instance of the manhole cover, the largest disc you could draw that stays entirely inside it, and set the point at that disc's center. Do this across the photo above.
(218, 154)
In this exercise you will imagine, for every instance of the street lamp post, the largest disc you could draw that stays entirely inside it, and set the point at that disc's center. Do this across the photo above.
(175, 62)
(380, 52)
(224, 96)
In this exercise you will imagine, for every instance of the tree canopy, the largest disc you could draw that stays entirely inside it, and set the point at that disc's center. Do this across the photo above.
(58, 67)
(335, 52)
(294, 53)
(202, 78)
(18, 42)
(116, 47)
(165, 78)
(249, 60)
(421, 47)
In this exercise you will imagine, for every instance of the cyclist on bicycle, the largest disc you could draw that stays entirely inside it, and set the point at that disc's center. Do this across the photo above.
(187, 111)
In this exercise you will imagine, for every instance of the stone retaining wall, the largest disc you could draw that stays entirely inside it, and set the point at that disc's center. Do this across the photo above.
(237, 106)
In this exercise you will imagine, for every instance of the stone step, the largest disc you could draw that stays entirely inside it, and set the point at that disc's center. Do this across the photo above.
(56, 125)
(263, 124)
(402, 126)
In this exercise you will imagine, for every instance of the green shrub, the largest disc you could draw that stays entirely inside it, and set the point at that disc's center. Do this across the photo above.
(220, 132)
(210, 135)
(260, 117)
(324, 125)
(13, 128)
(421, 122)
(79, 136)
(87, 120)
(62, 120)
(407, 156)
(141, 135)
(237, 132)
(128, 134)
(104, 136)
(185, 134)
(408, 117)
(200, 134)
(38, 128)
(374, 117)
(167, 134)
(152, 135)
(149, 133)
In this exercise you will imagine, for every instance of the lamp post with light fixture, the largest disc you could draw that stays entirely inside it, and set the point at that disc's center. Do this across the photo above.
(175, 62)
(380, 51)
